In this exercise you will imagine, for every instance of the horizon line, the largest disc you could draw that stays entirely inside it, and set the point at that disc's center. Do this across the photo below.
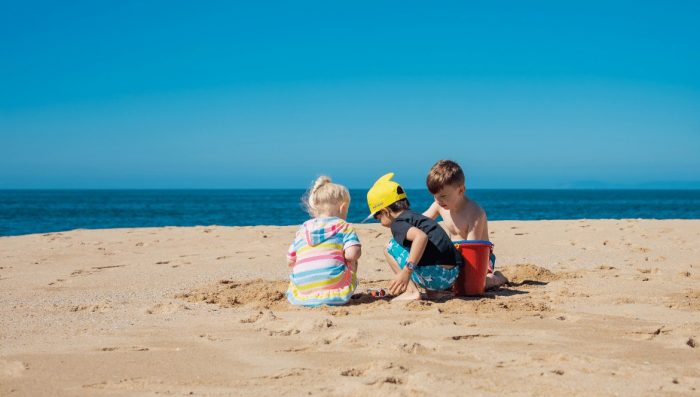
(3, 189)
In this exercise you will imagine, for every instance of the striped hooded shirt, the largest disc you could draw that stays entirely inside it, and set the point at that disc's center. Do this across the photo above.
(319, 274)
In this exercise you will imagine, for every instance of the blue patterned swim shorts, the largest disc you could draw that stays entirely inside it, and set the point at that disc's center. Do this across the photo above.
(429, 277)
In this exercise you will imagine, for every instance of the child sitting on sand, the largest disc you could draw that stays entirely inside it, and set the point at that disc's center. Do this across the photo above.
(463, 218)
(323, 257)
(420, 252)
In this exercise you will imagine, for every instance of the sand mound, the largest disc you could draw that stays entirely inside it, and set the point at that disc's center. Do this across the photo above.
(528, 273)
(228, 293)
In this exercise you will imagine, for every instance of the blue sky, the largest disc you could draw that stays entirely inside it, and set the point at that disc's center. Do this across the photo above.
(170, 94)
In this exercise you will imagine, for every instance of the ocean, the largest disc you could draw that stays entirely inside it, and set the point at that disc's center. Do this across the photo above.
(43, 211)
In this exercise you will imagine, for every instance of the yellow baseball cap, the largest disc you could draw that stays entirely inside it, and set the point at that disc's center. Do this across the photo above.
(382, 194)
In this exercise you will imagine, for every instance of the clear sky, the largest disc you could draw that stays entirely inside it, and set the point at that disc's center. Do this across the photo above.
(186, 94)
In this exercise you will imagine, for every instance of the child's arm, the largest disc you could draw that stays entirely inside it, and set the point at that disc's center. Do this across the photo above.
(481, 227)
(485, 236)
(351, 246)
(418, 240)
(291, 256)
(352, 254)
(433, 211)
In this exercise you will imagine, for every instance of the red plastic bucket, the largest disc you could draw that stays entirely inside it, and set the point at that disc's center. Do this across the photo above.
(472, 276)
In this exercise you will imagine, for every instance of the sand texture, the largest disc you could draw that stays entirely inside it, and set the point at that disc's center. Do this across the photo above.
(600, 308)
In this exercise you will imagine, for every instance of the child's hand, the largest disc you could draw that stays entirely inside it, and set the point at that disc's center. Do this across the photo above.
(400, 283)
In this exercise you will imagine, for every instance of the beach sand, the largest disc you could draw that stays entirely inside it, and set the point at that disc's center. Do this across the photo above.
(595, 307)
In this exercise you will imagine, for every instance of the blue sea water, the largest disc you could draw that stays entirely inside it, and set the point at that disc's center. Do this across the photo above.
(42, 211)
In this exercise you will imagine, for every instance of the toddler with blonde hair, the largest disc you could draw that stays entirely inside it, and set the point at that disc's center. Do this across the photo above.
(323, 257)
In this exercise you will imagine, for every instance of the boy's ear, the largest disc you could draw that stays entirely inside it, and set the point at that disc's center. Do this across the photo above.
(462, 189)
(343, 207)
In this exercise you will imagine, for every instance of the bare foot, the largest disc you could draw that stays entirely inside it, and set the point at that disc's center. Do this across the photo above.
(408, 296)
(495, 280)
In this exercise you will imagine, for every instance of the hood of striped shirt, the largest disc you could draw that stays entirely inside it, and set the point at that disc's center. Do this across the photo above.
(318, 230)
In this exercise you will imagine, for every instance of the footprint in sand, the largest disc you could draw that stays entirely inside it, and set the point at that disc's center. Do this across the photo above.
(167, 308)
(353, 372)
(212, 338)
(470, 336)
(414, 348)
(348, 336)
(378, 373)
(648, 271)
(294, 328)
(293, 350)
(132, 349)
(94, 269)
(418, 306)
(388, 379)
(128, 384)
(279, 330)
(262, 317)
(288, 373)
(624, 301)
(94, 308)
(647, 334)
(339, 312)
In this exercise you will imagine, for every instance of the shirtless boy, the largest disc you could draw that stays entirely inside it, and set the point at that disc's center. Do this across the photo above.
(463, 218)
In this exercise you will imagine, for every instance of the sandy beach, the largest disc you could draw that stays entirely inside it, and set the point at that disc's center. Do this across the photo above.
(594, 307)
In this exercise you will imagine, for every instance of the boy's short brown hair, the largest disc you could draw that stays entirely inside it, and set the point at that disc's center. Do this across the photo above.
(443, 173)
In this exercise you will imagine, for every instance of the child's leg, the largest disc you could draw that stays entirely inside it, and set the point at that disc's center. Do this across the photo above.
(494, 278)
(412, 291)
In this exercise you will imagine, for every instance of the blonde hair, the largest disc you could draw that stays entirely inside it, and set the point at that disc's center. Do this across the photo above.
(325, 195)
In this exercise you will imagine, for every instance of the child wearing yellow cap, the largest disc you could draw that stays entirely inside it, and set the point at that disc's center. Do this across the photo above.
(420, 253)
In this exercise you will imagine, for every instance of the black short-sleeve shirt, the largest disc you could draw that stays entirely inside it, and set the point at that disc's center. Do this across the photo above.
(438, 251)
